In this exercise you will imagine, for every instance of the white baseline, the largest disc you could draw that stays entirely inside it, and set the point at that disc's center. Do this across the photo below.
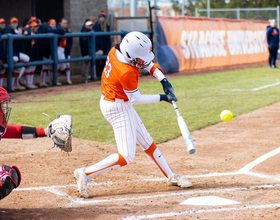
(255, 89)
(199, 211)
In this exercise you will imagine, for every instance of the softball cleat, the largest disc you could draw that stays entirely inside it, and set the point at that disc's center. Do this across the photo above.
(81, 180)
(176, 180)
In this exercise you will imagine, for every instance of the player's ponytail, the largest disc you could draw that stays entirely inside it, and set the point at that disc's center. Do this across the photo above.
(117, 46)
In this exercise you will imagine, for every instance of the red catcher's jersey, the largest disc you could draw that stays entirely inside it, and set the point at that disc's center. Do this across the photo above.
(117, 77)
(14, 131)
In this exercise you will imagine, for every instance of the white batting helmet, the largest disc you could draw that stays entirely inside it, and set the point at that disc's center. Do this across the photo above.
(137, 45)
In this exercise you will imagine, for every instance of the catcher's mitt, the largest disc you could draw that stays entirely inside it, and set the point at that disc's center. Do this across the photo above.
(60, 132)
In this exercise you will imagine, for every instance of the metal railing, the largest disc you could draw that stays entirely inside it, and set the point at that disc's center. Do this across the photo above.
(9, 38)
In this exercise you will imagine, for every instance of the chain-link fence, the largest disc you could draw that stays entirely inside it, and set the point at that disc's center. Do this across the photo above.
(264, 14)
(122, 8)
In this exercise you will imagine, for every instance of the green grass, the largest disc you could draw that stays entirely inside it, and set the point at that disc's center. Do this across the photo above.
(201, 98)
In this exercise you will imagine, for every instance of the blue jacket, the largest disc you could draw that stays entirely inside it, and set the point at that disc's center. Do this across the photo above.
(45, 42)
(16, 43)
(68, 48)
(102, 42)
(84, 42)
(272, 36)
(2, 52)
(32, 49)
(1, 49)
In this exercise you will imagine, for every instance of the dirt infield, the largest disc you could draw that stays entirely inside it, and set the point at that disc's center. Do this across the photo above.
(238, 161)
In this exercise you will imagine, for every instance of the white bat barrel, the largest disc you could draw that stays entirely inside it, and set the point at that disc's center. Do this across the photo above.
(186, 134)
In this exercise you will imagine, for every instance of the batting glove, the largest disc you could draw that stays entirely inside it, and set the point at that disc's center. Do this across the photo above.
(168, 98)
(167, 87)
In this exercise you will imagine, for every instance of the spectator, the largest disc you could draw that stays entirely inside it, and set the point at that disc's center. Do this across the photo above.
(46, 50)
(26, 44)
(2, 68)
(2, 53)
(64, 50)
(27, 21)
(33, 51)
(92, 20)
(272, 36)
(2, 25)
(102, 42)
(84, 41)
(17, 55)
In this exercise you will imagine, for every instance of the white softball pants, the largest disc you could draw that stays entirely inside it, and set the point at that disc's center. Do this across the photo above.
(129, 130)
(23, 58)
(127, 125)
(61, 56)
(47, 66)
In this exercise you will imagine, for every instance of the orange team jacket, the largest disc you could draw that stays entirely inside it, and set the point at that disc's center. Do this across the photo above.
(15, 132)
(118, 76)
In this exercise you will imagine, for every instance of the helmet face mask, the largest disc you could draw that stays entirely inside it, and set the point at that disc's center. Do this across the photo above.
(5, 110)
(136, 48)
(140, 63)
(4, 114)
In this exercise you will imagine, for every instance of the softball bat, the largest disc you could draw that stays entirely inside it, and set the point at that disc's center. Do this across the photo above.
(184, 130)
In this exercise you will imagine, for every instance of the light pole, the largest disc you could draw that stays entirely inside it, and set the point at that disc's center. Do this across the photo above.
(133, 8)
(208, 8)
(183, 7)
(155, 30)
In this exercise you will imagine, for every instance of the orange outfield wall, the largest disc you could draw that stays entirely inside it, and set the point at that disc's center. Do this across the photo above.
(192, 43)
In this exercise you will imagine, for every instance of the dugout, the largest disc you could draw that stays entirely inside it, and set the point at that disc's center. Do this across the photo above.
(75, 11)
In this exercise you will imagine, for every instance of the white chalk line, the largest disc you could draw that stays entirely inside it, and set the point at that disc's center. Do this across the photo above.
(259, 160)
(255, 89)
(80, 201)
(243, 171)
(62, 186)
(262, 176)
(199, 211)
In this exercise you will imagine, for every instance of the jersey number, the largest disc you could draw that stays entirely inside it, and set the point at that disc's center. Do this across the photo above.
(107, 68)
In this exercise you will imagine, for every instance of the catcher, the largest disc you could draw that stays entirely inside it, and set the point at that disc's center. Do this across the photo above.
(59, 130)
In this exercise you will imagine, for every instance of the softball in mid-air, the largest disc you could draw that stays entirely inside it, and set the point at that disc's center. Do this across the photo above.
(226, 115)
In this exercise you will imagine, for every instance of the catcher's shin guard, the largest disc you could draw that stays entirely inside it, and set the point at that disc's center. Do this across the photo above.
(10, 178)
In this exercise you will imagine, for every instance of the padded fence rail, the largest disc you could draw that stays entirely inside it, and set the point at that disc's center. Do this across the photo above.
(192, 43)
(9, 38)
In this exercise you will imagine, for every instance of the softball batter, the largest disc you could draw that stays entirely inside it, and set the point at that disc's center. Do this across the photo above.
(119, 92)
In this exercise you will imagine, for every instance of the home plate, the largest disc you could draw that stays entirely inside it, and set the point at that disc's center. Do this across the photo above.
(208, 200)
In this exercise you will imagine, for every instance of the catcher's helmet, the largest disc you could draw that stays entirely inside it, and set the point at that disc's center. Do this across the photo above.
(137, 45)
(4, 110)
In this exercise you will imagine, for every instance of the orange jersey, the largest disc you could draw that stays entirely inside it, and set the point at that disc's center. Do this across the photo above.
(62, 43)
(117, 77)
(32, 43)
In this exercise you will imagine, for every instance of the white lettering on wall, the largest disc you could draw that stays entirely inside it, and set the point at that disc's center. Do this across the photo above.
(200, 44)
